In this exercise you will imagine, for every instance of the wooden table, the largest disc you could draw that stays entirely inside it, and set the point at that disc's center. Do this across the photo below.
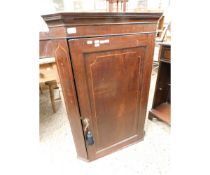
(48, 75)
(48, 70)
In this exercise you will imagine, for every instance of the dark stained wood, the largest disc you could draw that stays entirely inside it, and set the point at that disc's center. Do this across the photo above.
(162, 112)
(69, 92)
(104, 29)
(45, 45)
(43, 35)
(68, 19)
(109, 84)
(162, 97)
(104, 62)
(97, 24)
(165, 53)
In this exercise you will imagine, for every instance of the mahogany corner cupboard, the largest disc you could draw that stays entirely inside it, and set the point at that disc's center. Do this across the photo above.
(104, 62)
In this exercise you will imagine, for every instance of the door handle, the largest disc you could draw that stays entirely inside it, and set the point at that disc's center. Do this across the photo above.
(88, 134)
(85, 124)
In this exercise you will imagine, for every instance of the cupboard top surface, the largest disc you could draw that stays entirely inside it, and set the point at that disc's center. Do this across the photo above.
(98, 17)
(101, 15)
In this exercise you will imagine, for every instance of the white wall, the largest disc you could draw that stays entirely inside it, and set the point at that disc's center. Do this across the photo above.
(47, 6)
(157, 4)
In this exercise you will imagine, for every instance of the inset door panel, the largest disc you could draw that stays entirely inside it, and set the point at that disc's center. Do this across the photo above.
(109, 81)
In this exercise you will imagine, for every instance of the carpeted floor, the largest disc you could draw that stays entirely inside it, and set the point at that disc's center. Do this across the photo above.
(58, 155)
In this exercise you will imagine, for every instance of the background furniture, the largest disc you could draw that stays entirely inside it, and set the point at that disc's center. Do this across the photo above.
(120, 5)
(45, 45)
(104, 62)
(161, 107)
(47, 67)
(163, 31)
(160, 27)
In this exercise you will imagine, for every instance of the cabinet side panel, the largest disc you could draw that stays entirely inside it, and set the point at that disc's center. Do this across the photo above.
(64, 67)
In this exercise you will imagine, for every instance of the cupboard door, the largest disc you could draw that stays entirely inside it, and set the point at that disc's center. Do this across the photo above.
(112, 77)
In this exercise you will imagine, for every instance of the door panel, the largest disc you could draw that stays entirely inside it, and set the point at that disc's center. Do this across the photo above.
(114, 88)
(109, 80)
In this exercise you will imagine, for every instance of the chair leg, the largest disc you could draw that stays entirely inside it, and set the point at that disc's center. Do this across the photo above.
(51, 89)
(40, 89)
